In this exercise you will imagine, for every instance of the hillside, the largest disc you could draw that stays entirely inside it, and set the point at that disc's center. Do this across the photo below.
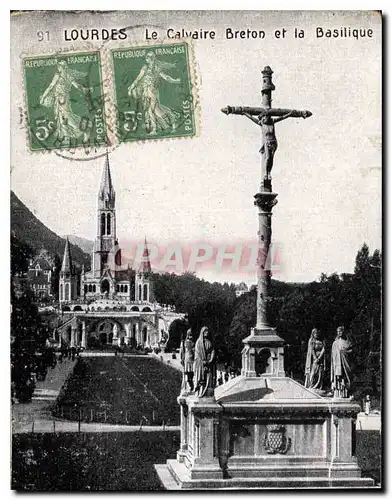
(32, 231)
(86, 245)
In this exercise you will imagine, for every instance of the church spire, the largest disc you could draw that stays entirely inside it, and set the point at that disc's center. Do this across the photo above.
(67, 261)
(145, 265)
(106, 191)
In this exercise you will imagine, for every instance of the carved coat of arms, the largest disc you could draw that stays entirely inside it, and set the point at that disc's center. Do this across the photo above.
(275, 441)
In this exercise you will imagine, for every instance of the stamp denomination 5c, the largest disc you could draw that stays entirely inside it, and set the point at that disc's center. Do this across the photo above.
(153, 92)
(65, 101)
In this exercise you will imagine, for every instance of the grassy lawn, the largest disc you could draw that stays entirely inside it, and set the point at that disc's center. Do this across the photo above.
(118, 461)
(90, 462)
(121, 391)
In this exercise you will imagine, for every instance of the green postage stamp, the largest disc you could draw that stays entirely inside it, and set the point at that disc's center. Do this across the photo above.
(153, 92)
(65, 105)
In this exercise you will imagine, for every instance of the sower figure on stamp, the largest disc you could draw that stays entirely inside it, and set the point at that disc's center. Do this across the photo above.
(341, 365)
(204, 365)
(187, 356)
(145, 91)
(57, 96)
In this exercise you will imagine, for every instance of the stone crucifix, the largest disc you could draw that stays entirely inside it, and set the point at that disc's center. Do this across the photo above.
(266, 117)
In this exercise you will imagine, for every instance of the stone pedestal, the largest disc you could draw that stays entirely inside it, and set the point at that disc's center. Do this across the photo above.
(265, 432)
(199, 437)
(263, 353)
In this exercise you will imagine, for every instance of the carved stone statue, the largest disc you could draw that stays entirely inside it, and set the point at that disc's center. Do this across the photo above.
(187, 356)
(270, 143)
(315, 362)
(204, 366)
(341, 372)
(115, 330)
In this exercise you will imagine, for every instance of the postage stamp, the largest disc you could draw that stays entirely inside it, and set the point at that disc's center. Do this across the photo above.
(64, 99)
(153, 92)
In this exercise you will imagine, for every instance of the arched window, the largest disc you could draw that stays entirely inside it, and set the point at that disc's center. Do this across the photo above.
(103, 224)
(85, 288)
(118, 288)
(61, 292)
(145, 292)
(140, 292)
(108, 224)
(90, 288)
(105, 286)
(126, 288)
(94, 288)
(66, 292)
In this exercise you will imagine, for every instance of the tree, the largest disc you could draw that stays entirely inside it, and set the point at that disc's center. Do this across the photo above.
(21, 253)
(27, 332)
(205, 304)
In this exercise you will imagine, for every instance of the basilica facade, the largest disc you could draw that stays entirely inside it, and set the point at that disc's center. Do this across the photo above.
(111, 303)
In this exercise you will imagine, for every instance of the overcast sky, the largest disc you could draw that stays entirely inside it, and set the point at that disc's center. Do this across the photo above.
(327, 170)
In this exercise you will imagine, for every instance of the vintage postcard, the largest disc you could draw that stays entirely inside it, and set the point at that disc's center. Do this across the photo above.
(196, 266)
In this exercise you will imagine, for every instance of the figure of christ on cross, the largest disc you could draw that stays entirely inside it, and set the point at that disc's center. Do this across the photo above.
(266, 118)
(269, 141)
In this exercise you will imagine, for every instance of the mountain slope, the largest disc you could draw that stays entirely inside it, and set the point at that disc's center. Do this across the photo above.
(86, 245)
(32, 231)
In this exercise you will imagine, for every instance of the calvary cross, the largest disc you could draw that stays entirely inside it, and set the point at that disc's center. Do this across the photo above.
(264, 117)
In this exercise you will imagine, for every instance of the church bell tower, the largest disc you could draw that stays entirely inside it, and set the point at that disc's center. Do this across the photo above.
(105, 241)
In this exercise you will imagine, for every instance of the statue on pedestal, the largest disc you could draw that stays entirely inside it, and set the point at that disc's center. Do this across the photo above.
(187, 356)
(315, 362)
(204, 366)
(341, 372)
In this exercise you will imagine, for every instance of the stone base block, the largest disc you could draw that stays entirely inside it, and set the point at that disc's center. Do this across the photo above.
(176, 476)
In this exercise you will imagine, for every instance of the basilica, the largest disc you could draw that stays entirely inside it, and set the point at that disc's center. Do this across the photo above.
(110, 304)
